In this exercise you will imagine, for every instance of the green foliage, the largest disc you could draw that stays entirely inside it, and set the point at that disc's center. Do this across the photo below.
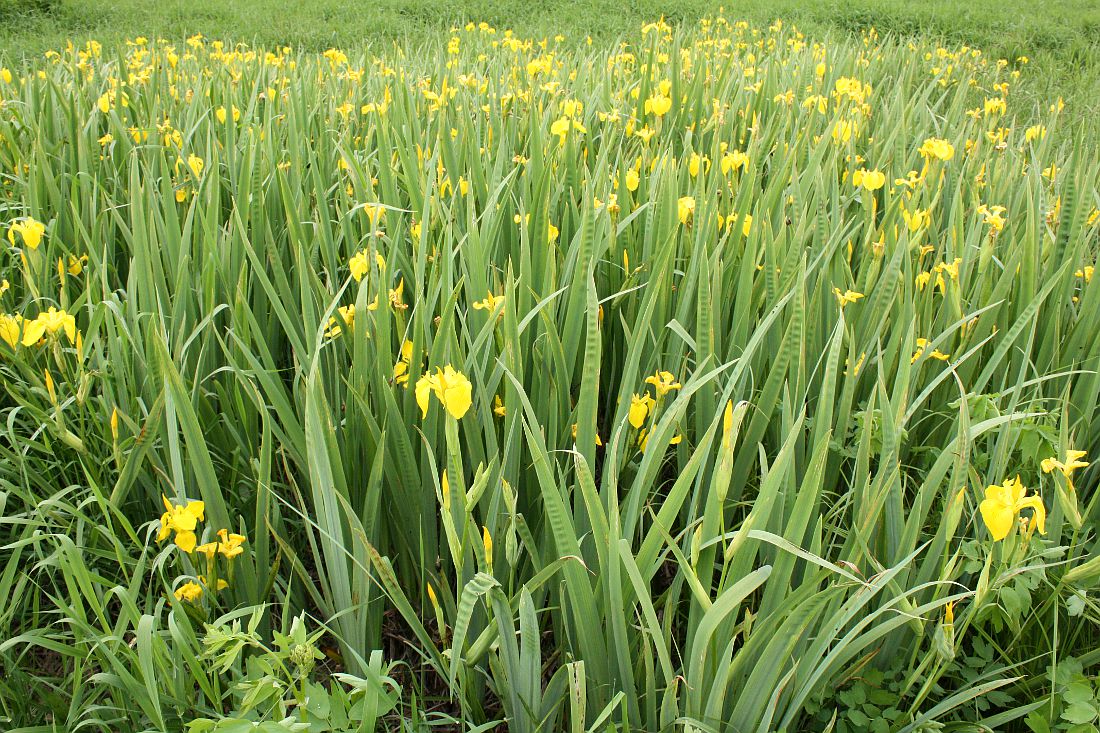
(492, 382)
(272, 686)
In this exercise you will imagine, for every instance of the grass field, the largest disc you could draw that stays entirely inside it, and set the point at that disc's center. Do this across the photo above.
(405, 372)
(1061, 37)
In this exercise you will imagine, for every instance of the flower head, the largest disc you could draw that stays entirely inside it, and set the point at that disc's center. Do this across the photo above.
(401, 368)
(847, 297)
(229, 544)
(181, 519)
(916, 220)
(10, 328)
(1068, 466)
(922, 344)
(489, 303)
(359, 264)
(871, 180)
(195, 163)
(658, 105)
(685, 209)
(938, 148)
(189, 591)
(1003, 503)
(663, 382)
(336, 325)
(733, 161)
(450, 387)
(29, 230)
(562, 126)
(50, 323)
(640, 408)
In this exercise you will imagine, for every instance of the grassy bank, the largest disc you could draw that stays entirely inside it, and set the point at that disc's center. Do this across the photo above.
(728, 378)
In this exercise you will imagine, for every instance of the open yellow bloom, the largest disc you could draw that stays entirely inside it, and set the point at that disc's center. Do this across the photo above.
(401, 368)
(733, 161)
(685, 208)
(847, 297)
(1072, 463)
(658, 105)
(230, 543)
(347, 313)
(10, 328)
(727, 222)
(842, 131)
(561, 128)
(195, 163)
(359, 264)
(450, 387)
(1035, 132)
(640, 408)
(916, 220)
(181, 519)
(994, 216)
(663, 382)
(938, 148)
(871, 180)
(189, 591)
(50, 323)
(489, 303)
(697, 163)
(76, 264)
(922, 344)
(1003, 503)
(29, 229)
(210, 549)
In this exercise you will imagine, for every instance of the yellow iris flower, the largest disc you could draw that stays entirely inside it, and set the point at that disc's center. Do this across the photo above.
(189, 591)
(489, 303)
(10, 328)
(29, 229)
(685, 208)
(1066, 468)
(181, 519)
(847, 297)
(938, 148)
(871, 180)
(49, 322)
(663, 382)
(1003, 503)
(450, 387)
(640, 408)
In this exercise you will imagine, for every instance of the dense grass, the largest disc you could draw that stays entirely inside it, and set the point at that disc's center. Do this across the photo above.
(1062, 38)
(773, 355)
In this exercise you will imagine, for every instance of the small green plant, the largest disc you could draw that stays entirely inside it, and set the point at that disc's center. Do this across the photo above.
(1074, 705)
(273, 688)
